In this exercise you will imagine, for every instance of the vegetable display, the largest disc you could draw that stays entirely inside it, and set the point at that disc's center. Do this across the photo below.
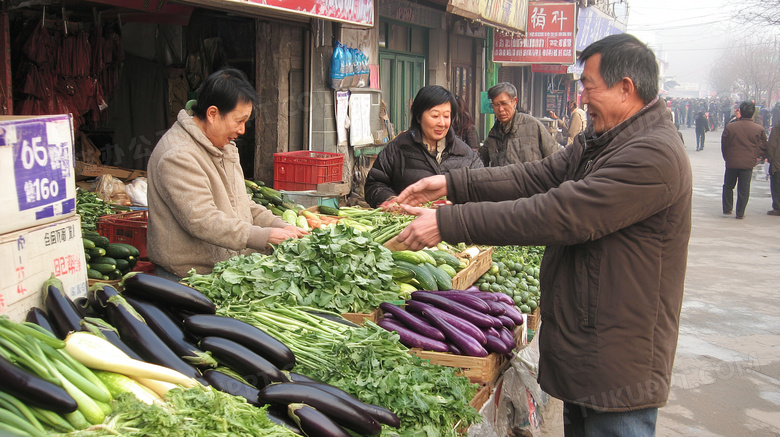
(369, 362)
(106, 260)
(337, 268)
(91, 207)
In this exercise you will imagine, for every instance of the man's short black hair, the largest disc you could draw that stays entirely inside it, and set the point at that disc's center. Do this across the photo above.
(224, 89)
(427, 98)
(623, 55)
(747, 109)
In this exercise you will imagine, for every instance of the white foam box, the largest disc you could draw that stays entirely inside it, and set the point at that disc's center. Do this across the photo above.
(37, 171)
(30, 256)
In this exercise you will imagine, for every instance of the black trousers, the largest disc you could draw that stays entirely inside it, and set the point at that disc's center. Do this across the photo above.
(741, 179)
(774, 186)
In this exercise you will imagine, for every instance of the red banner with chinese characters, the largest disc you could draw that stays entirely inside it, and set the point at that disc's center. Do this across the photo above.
(549, 37)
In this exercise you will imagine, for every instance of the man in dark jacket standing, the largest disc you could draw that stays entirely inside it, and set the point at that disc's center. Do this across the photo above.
(702, 127)
(742, 143)
(614, 210)
(515, 137)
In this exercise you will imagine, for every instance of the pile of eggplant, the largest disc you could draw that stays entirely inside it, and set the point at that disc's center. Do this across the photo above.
(469, 322)
(170, 324)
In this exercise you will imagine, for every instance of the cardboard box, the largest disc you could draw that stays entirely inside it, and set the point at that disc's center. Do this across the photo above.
(36, 171)
(87, 171)
(30, 256)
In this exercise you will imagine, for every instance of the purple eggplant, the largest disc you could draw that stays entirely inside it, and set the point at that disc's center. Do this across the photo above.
(167, 292)
(255, 369)
(508, 337)
(512, 312)
(228, 384)
(411, 338)
(297, 377)
(62, 313)
(466, 343)
(380, 414)
(462, 324)
(454, 349)
(170, 332)
(480, 319)
(314, 423)
(98, 296)
(495, 344)
(506, 321)
(102, 329)
(332, 406)
(412, 322)
(491, 331)
(268, 347)
(33, 390)
(472, 289)
(39, 317)
(279, 416)
(495, 308)
(468, 299)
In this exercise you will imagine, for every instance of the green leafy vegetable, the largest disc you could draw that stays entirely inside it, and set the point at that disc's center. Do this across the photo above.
(371, 364)
(337, 268)
(194, 412)
(91, 207)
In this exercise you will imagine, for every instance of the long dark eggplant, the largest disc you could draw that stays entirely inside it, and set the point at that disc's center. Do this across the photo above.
(102, 329)
(228, 384)
(497, 345)
(255, 369)
(82, 306)
(171, 333)
(462, 324)
(141, 338)
(479, 319)
(33, 390)
(332, 406)
(495, 308)
(410, 338)
(98, 296)
(278, 415)
(508, 338)
(39, 317)
(466, 343)
(167, 293)
(314, 423)
(512, 312)
(380, 414)
(60, 308)
(506, 321)
(273, 350)
(412, 322)
(468, 299)
(297, 377)
(454, 349)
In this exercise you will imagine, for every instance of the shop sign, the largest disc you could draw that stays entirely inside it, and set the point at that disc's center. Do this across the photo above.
(549, 38)
(359, 12)
(508, 15)
(549, 68)
(593, 25)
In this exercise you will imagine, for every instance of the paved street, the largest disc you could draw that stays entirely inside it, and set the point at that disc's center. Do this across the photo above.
(727, 371)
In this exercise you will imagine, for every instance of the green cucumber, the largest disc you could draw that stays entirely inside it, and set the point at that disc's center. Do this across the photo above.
(100, 241)
(117, 251)
(443, 280)
(123, 265)
(402, 274)
(87, 257)
(446, 268)
(328, 210)
(421, 274)
(409, 256)
(94, 274)
(444, 257)
(103, 268)
(133, 250)
(88, 244)
(103, 260)
(96, 252)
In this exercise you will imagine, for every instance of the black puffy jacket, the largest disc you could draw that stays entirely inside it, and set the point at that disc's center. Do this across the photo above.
(405, 160)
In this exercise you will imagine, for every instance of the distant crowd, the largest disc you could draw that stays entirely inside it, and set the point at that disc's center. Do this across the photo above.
(719, 112)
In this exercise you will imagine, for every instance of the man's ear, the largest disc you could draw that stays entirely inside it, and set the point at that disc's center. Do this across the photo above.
(627, 87)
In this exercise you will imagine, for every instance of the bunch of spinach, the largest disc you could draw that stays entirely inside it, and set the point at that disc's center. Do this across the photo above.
(370, 363)
(91, 207)
(337, 268)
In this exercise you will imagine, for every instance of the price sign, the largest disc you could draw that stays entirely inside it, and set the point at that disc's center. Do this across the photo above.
(42, 163)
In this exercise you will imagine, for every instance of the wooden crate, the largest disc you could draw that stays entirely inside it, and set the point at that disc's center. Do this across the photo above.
(476, 268)
(478, 369)
(359, 318)
(482, 396)
(533, 320)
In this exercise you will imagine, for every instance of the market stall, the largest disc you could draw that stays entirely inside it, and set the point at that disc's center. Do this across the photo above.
(329, 334)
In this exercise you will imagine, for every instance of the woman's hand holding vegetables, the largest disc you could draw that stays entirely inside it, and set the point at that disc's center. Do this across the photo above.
(390, 205)
(423, 231)
(278, 235)
(423, 191)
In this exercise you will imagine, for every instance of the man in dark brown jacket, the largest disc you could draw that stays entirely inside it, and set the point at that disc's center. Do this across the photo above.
(742, 143)
(614, 210)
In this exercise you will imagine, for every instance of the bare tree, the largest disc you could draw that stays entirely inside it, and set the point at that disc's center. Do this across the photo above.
(761, 12)
(751, 67)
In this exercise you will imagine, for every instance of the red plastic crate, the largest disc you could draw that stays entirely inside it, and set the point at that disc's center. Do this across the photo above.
(303, 170)
(126, 227)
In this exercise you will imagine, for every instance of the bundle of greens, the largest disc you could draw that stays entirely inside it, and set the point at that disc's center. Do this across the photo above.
(91, 207)
(371, 364)
(337, 268)
(193, 412)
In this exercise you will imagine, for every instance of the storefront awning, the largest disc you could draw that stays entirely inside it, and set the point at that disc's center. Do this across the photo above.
(509, 16)
(359, 12)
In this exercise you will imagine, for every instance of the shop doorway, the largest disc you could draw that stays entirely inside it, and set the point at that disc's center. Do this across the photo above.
(401, 76)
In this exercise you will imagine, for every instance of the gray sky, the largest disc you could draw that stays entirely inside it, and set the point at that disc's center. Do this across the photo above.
(689, 34)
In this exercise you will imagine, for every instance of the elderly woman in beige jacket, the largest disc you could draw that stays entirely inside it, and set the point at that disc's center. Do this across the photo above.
(199, 212)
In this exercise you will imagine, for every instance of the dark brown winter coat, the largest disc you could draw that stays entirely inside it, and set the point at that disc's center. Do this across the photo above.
(743, 141)
(616, 219)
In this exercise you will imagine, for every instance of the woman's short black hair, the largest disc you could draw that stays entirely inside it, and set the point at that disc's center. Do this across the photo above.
(427, 98)
(224, 89)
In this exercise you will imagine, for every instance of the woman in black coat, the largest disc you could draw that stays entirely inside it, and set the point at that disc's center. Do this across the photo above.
(428, 148)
